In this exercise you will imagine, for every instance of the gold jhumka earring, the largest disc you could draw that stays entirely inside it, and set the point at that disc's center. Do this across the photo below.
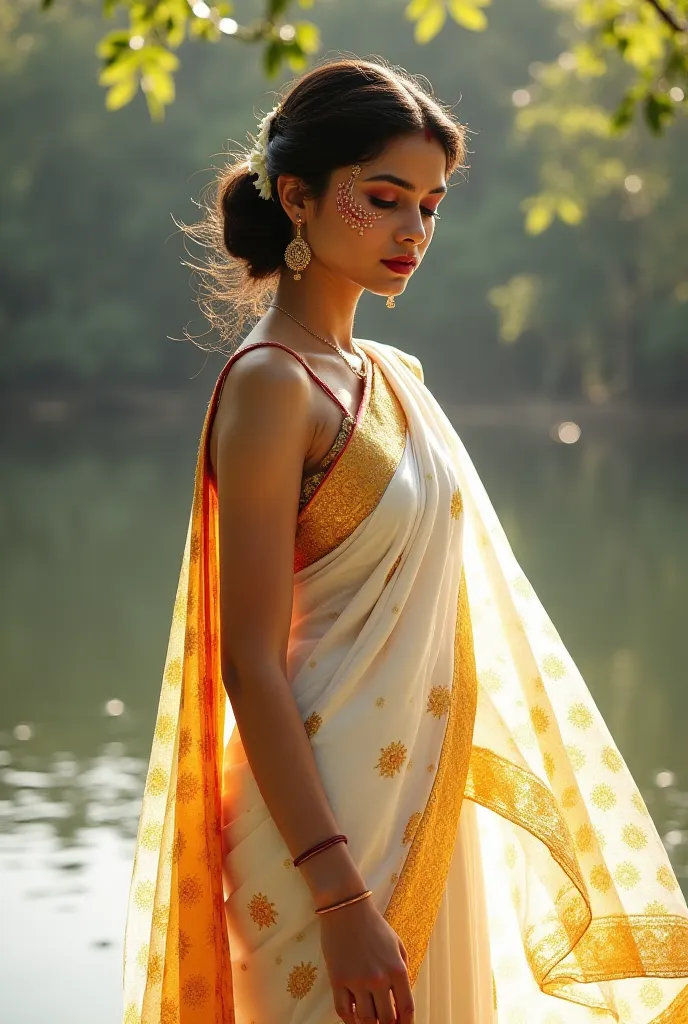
(298, 253)
(390, 302)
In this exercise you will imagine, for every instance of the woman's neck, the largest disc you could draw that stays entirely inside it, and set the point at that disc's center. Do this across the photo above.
(323, 302)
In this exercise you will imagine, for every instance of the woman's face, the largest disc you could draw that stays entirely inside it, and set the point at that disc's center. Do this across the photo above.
(402, 190)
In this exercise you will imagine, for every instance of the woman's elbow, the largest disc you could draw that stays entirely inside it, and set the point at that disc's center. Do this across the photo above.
(248, 669)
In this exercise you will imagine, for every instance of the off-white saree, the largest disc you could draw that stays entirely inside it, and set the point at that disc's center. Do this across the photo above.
(426, 671)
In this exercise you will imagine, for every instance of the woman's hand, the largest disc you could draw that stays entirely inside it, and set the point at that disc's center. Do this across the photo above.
(367, 965)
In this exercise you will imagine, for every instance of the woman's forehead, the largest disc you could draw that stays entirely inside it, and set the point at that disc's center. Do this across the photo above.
(418, 164)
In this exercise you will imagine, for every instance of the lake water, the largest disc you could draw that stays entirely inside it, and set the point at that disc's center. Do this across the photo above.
(92, 525)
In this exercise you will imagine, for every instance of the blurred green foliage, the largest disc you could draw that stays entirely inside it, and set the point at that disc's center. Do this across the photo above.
(642, 37)
(649, 37)
(560, 267)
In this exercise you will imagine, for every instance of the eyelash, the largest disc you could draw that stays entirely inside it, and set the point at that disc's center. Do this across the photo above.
(387, 204)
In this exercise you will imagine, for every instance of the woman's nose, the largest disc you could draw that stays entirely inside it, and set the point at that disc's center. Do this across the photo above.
(412, 230)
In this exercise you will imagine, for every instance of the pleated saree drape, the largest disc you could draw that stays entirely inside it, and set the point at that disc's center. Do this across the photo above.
(484, 799)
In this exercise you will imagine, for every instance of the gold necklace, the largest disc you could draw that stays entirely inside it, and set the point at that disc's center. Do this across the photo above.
(333, 344)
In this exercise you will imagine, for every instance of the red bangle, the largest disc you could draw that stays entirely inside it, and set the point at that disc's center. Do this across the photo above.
(318, 848)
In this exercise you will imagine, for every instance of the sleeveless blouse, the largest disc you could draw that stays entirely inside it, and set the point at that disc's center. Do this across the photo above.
(311, 481)
(350, 479)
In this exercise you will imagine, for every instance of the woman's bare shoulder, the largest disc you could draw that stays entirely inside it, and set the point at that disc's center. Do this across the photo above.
(265, 393)
(262, 374)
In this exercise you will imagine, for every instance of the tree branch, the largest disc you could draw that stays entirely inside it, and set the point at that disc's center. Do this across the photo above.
(668, 18)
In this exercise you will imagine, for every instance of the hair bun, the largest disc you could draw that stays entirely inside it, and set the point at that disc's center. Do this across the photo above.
(255, 230)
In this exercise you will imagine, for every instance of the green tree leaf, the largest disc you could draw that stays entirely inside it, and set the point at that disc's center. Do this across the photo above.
(539, 214)
(160, 84)
(430, 23)
(417, 8)
(589, 64)
(659, 111)
(122, 93)
(273, 56)
(468, 13)
(113, 45)
(569, 210)
(308, 36)
(125, 67)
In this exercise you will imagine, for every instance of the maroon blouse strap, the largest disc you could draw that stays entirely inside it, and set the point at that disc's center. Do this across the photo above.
(278, 344)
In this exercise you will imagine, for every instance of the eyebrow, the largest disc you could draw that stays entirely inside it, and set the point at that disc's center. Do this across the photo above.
(393, 180)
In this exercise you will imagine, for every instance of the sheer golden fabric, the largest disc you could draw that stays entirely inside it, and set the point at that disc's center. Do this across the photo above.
(426, 671)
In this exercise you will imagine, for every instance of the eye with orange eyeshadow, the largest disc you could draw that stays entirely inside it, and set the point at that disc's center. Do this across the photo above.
(387, 204)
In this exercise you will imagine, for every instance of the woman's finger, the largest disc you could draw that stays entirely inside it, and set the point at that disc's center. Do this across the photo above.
(403, 999)
(365, 1008)
(344, 1005)
(384, 1007)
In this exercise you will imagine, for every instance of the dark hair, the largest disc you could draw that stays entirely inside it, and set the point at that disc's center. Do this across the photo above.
(343, 111)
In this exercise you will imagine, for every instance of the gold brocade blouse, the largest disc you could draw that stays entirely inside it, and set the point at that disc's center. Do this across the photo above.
(314, 479)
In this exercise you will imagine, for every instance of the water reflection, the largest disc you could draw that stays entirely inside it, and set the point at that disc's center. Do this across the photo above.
(70, 796)
(92, 524)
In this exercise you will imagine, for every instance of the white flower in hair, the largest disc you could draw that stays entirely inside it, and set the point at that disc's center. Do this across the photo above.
(257, 162)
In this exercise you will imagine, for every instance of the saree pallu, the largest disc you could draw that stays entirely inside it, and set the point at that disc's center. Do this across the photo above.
(485, 802)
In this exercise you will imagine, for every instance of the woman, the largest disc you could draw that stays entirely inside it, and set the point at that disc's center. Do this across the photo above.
(409, 809)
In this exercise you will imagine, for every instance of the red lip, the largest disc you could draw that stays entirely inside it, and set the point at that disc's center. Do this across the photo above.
(402, 265)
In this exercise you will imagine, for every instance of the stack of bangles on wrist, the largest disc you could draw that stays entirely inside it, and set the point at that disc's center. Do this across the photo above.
(318, 848)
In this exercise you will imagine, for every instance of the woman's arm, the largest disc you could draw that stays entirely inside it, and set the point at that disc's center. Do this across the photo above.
(264, 426)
